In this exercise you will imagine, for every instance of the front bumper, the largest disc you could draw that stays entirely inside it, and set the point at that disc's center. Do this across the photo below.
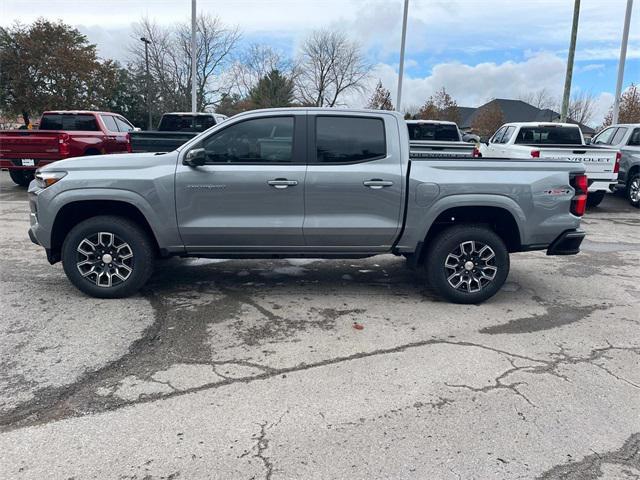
(567, 243)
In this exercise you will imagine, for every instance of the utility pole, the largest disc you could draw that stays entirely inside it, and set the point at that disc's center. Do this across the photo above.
(148, 82)
(572, 51)
(623, 58)
(194, 106)
(402, 45)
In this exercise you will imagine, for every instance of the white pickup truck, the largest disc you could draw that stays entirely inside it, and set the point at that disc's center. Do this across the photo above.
(437, 139)
(556, 141)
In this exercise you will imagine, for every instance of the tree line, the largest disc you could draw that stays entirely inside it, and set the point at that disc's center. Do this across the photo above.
(51, 65)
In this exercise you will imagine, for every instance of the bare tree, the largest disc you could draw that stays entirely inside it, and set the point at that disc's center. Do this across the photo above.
(170, 60)
(581, 107)
(380, 99)
(541, 99)
(256, 62)
(330, 65)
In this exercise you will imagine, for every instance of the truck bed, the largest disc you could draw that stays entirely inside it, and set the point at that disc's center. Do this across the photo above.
(155, 141)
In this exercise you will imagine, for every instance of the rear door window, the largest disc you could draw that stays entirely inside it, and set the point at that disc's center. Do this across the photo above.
(634, 139)
(349, 139)
(109, 122)
(549, 136)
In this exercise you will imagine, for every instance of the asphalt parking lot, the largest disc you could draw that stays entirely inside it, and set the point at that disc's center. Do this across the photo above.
(253, 369)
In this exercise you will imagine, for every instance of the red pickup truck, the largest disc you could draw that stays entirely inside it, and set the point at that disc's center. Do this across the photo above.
(62, 134)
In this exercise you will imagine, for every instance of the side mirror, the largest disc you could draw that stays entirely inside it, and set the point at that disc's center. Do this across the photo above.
(195, 157)
(587, 141)
(136, 129)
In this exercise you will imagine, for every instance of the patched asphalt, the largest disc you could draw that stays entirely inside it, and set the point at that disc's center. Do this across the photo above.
(253, 369)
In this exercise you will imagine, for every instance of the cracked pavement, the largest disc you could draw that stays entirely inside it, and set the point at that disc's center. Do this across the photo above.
(253, 368)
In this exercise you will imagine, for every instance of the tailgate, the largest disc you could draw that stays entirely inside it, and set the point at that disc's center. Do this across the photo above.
(29, 144)
(599, 163)
(425, 149)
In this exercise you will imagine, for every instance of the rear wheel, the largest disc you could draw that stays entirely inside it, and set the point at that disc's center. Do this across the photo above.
(21, 177)
(633, 190)
(595, 198)
(467, 263)
(108, 257)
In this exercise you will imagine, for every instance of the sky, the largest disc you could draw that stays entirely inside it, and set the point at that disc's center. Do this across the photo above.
(476, 49)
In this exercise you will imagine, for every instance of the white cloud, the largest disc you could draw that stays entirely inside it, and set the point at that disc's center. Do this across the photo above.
(473, 85)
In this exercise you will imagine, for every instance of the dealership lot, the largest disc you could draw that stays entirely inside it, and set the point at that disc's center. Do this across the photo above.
(253, 369)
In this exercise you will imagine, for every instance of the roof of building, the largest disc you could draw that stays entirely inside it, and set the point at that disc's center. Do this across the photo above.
(515, 111)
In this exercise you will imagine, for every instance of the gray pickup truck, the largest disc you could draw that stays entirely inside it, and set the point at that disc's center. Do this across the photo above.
(305, 182)
(626, 138)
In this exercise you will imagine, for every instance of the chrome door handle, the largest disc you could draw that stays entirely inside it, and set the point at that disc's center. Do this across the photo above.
(280, 183)
(377, 183)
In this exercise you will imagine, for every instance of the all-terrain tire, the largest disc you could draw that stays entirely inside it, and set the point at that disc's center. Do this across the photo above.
(633, 190)
(92, 243)
(467, 263)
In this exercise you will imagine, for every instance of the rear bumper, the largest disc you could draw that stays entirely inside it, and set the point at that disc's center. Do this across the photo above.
(16, 163)
(567, 243)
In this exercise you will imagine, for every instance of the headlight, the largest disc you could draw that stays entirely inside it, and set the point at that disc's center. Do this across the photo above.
(46, 179)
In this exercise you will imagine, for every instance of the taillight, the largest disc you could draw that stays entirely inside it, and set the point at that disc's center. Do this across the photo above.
(128, 143)
(476, 152)
(64, 148)
(535, 153)
(579, 201)
(616, 167)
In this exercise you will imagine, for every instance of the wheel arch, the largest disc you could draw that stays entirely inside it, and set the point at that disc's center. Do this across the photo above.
(72, 213)
(499, 219)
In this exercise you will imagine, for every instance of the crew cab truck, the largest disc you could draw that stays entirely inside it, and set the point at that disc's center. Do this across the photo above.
(437, 138)
(626, 138)
(298, 182)
(173, 130)
(556, 141)
(62, 134)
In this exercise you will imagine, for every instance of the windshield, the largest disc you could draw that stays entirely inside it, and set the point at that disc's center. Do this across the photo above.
(433, 131)
(549, 136)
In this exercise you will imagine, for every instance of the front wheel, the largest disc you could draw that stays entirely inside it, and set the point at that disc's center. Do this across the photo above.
(108, 257)
(595, 198)
(21, 177)
(467, 263)
(633, 190)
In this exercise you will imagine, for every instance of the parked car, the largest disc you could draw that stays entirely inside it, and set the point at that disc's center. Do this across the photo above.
(173, 130)
(626, 138)
(556, 141)
(437, 138)
(305, 182)
(62, 134)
